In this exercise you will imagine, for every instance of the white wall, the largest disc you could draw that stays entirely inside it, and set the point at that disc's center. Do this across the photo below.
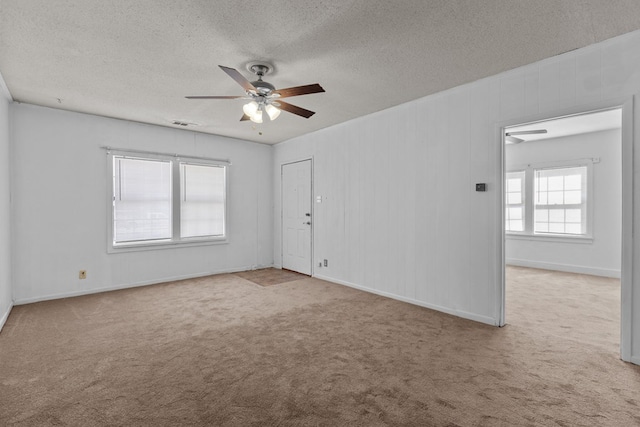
(601, 256)
(60, 180)
(6, 297)
(401, 216)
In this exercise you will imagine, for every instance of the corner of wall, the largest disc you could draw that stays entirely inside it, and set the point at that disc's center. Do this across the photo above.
(4, 89)
(5, 316)
(6, 284)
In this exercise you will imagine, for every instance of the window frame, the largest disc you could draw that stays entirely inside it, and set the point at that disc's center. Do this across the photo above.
(523, 204)
(529, 185)
(176, 193)
(583, 205)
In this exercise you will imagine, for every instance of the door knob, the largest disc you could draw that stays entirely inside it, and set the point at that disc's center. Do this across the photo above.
(307, 214)
(307, 223)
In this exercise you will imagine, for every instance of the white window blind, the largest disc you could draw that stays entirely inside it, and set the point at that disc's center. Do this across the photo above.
(560, 199)
(514, 201)
(141, 199)
(161, 200)
(202, 204)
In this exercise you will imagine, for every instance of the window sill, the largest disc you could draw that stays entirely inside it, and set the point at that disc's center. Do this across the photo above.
(136, 247)
(586, 240)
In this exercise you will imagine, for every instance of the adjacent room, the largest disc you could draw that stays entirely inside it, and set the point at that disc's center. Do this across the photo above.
(305, 213)
(563, 216)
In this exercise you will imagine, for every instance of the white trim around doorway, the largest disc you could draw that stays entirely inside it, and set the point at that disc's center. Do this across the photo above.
(628, 118)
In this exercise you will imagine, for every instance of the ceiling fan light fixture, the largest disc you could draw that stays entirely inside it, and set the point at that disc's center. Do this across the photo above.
(250, 108)
(256, 117)
(272, 111)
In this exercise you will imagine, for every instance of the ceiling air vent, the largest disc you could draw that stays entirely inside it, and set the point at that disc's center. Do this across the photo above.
(183, 124)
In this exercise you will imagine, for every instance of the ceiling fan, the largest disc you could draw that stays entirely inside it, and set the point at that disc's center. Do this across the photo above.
(511, 139)
(264, 96)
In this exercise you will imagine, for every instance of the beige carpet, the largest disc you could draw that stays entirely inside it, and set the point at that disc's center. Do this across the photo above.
(224, 351)
(576, 307)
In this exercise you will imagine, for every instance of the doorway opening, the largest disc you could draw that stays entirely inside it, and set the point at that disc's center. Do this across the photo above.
(563, 227)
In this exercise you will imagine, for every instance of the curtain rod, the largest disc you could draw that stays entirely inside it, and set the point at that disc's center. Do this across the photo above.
(126, 150)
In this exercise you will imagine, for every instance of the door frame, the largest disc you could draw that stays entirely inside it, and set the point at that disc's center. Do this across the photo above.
(313, 217)
(626, 268)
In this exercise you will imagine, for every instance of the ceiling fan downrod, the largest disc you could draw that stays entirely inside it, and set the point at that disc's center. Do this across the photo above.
(262, 88)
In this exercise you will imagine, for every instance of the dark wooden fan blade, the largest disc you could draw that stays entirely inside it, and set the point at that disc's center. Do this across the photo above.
(213, 97)
(235, 75)
(295, 109)
(244, 117)
(300, 90)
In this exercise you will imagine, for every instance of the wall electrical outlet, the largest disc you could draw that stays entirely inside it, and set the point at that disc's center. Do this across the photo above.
(82, 274)
(326, 263)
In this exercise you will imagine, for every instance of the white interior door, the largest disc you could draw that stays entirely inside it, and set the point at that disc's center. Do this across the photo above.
(296, 216)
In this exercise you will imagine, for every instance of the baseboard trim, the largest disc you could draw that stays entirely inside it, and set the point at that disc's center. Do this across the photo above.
(21, 301)
(568, 268)
(459, 313)
(5, 316)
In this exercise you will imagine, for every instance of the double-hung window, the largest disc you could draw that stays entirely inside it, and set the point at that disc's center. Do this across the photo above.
(165, 200)
(560, 199)
(549, 200)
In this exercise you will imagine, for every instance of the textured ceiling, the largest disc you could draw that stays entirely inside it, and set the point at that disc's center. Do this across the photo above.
(136, 60)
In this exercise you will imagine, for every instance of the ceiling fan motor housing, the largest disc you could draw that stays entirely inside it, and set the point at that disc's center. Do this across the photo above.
(264, 88)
